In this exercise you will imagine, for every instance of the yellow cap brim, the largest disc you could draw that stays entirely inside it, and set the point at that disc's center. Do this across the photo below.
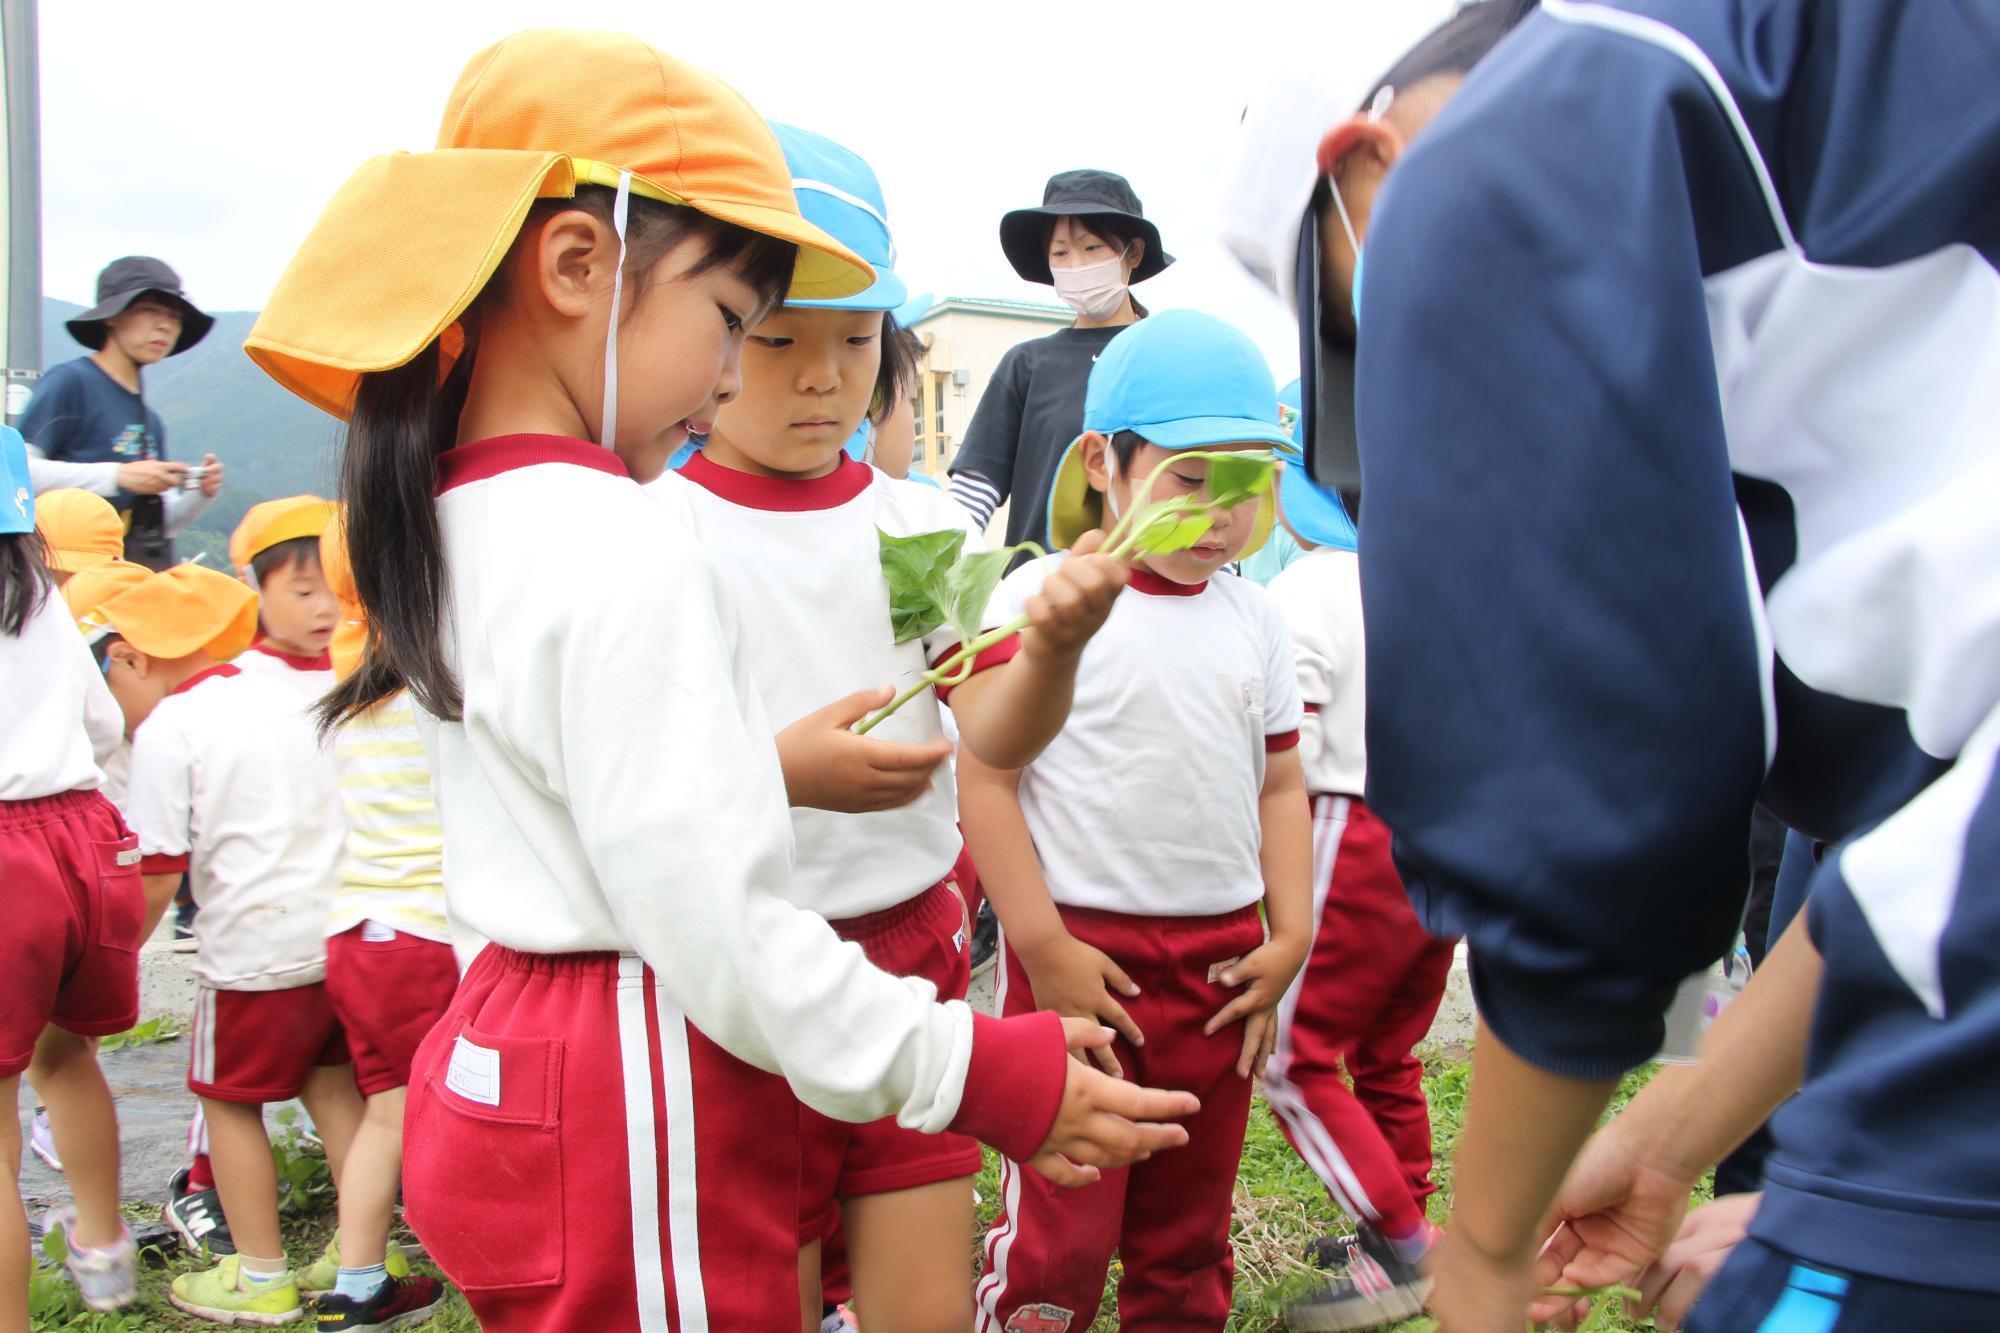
(1075, 508)
(411, 239)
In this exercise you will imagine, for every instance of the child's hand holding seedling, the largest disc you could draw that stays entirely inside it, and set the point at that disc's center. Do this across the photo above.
(1074, 601)
(828, 767)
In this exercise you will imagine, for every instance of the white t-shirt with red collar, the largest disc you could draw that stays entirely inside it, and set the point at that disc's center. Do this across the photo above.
(229, 782)
(63, 728)
(1147, 801)
(801, 563)
(310, 677)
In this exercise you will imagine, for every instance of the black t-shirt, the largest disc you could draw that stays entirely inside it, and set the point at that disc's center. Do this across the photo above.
(79, 414)
(1027, 418)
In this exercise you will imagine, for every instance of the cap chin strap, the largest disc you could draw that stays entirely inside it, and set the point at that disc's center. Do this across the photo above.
(1110, 479)
(607, 434)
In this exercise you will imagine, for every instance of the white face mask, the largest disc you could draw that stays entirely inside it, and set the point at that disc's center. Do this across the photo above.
(1094, 291)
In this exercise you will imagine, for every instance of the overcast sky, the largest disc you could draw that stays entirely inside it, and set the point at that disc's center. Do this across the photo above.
(210, 132)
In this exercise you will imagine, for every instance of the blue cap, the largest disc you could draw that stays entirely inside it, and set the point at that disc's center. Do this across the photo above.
(914, 309)
(838, 193)
(17, 491)
(1313, 513)
(1184, 380)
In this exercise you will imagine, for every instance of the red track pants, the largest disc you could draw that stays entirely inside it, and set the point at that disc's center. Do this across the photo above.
(1167, 1218)
(1365, 997)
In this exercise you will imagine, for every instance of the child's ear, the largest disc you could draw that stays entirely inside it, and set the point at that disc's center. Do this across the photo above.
(124, 652)
(1094, 447)
(573, 259)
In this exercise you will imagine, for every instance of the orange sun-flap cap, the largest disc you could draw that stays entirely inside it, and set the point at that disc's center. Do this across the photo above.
(350, 637)
(87, 592)
(82, 530)
(185, 610)
(411, 238)
(273, 521)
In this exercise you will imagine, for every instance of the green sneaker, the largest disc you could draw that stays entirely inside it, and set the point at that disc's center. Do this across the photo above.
(221, 1295)
(326, 1269)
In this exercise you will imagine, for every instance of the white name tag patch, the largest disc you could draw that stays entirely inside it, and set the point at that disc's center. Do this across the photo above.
(374, 932)
(474, 1073)
(131, 856)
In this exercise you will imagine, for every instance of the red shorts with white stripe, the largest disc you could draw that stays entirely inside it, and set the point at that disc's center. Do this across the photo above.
(69, 940)
(389, 993)
(577, 1156)
(928, 936)
(259, 1045)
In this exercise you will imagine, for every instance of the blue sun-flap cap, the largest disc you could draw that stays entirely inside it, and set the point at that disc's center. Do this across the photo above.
(1313, 513)
(838, 193)
(1184, 380)
(17, 489)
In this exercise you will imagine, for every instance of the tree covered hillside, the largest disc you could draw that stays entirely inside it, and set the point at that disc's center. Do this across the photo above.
(214, 400)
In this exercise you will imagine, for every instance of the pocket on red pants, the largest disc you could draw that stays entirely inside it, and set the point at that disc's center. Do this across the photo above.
(120, 906)
(482, 1160)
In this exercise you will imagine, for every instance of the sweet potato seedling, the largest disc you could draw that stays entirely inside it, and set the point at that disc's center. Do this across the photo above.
(934, 581)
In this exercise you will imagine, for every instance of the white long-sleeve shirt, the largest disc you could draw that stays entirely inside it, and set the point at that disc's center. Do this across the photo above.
(62, 724)
(801, 565)
(183, 507)
(1320, 595)
(613, 786)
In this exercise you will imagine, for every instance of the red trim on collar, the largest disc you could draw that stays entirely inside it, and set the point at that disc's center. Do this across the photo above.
(324, 662)
(1154, 585)
(219, 669)
(786, 495)
(504, 453)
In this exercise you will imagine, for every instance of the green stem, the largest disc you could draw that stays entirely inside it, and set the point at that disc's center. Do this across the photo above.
(954, 670)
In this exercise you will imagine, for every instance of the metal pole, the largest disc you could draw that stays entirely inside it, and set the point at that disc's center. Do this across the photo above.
(22, 44)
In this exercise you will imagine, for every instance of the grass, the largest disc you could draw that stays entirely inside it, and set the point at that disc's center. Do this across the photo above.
(1280, 1207)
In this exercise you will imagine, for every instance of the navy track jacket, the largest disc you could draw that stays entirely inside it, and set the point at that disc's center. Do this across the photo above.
(1679, 407)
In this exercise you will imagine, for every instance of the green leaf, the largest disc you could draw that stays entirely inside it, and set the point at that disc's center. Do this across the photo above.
(1171, 525)
(969, 587)
(917, 570)
(1236, 477)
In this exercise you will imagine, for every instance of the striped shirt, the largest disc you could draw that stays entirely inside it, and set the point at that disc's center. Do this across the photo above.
(392, 872)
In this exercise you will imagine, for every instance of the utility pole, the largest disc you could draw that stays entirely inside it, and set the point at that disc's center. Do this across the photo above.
(20, 64)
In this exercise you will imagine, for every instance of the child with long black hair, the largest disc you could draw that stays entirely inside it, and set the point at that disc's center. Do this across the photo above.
(600, 1131)
(75, 911)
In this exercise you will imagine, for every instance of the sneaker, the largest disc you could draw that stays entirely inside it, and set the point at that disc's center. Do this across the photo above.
(43, 1140)
(985, 939)
(1379, 1287)
(222, 1295)
(108, 1278)
(325, 1271)
(1333, 1251)
(197, 1219)
(397, 1303)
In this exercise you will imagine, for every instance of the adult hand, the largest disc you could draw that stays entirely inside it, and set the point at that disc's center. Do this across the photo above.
(1076, 980)
(1616, 1212)
(1708, 1235)
(1074, 600)
(1104, 1122)
(150, 476)
(1265, 973)
(828, 767)
(211, 478)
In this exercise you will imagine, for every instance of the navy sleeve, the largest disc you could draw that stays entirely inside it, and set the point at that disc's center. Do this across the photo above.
(993, 437)
(54, 412)
(1565, 721)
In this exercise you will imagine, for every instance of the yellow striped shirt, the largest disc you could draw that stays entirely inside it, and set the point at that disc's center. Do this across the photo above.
(393, 869)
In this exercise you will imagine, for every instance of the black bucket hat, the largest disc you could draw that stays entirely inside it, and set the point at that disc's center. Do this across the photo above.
(124, 281)
(1085, 194)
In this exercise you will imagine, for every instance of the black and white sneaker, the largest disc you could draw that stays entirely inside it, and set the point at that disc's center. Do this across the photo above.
(1378, 1287)
(197, 1219)
(397, 1303)
(985, 939)
(1330, 1252)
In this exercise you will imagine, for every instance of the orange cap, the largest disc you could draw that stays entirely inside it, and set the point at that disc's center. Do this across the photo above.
(97, 585)
(350, 637)
(412, 238)
(274, 521)
(82, 530)
(185, 610)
